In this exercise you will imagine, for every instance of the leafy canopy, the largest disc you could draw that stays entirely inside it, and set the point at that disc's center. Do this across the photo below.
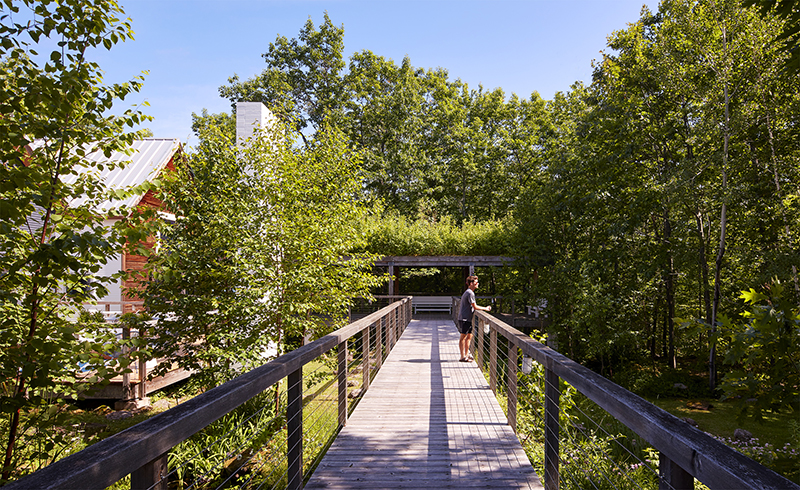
(54, 239)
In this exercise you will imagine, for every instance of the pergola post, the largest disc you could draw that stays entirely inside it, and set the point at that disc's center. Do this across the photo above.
(391, 278)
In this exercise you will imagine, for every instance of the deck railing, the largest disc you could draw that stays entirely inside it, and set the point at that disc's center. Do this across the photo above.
(684, 452)
(143, 451)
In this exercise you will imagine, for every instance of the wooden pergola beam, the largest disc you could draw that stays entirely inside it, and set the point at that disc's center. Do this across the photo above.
(467, 261)
(445, 261)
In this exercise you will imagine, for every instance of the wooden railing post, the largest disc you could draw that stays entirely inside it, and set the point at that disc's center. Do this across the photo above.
(512, 386)
(151, 476)
(387, 335)
(379, 343)
(402, 316)
(552, 393)
(493, 360)
(294, 430)
(365, 367)
(478, 340)
(341, 372)
(672, 476)
(399, 317)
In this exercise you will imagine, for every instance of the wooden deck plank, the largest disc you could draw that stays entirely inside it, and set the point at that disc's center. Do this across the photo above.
(427, 421)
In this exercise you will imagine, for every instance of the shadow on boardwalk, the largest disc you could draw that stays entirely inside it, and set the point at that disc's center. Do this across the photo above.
(427, 421)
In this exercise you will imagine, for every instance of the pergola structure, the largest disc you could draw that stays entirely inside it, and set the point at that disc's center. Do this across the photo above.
(467, 262)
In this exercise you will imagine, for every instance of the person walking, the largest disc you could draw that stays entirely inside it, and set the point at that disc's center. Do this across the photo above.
(468, 306)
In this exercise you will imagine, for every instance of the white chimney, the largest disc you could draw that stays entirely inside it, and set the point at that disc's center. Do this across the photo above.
(250, 117)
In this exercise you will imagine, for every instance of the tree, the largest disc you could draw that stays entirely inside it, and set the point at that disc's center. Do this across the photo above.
(639, 139)
(431, 146)
(316, 211)
(207, 279)
(258, 252)
(222, 124)
(732, 45)
(385, 121)
(54, 111)
(632, 186)
(302, 83)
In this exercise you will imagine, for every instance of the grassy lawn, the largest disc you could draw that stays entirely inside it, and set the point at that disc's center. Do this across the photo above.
(778, 436)
(720, 419)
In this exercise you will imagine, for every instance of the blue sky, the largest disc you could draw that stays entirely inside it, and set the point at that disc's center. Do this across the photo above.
(191, 47)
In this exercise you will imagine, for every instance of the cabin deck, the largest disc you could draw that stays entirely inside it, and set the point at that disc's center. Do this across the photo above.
(116, 389)
(427, 421)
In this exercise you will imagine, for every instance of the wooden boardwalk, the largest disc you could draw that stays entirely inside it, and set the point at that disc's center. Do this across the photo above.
(427, 421)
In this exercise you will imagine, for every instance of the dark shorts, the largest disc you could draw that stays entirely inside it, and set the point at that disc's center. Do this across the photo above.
(465, 327)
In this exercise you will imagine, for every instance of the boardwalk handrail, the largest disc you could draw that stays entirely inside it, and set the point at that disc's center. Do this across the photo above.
(141, 450)
(686, 452)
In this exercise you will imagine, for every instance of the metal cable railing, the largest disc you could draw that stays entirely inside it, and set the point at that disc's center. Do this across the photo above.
(581, 431)
(599, 466)
(268, 428)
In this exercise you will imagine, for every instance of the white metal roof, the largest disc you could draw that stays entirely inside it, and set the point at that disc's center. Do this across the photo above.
(150, 156)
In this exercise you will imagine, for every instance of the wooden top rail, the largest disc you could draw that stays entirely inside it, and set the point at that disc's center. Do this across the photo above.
(103, 463)
(445, 260)
(703, 457)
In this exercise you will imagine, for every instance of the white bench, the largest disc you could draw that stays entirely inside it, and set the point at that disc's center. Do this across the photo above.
(442, 304)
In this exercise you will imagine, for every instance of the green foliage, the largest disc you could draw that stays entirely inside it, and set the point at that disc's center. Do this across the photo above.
(625, 196)
(763, 352)
(302, 83)
(239, 443)
(637, 191)
(397, 235)
(259, 251)
(204, 123)
(608, 455)
(588, 464)
(208, 273)
(431, 146)
(794, 428)
(778, 451)
(53, 237)
(790, 34)
(654, 382)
